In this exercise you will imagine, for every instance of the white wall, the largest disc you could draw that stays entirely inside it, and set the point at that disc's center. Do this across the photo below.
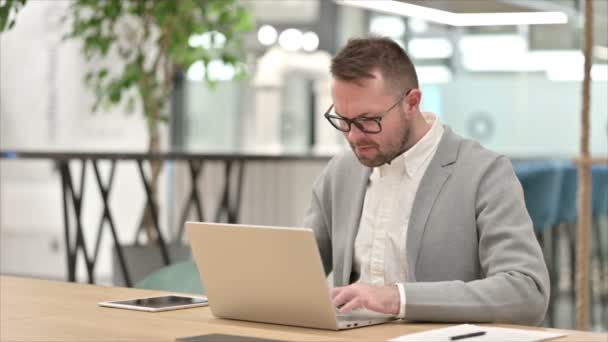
(274, 193)
(45, 106)
(532, 116)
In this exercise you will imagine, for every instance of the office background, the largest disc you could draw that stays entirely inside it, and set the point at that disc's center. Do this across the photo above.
(514, 88)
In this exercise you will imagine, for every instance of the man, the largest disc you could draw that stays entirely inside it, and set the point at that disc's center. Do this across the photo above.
(422, 223)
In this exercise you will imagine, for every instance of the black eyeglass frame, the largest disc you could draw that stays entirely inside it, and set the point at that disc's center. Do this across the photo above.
(358, 120)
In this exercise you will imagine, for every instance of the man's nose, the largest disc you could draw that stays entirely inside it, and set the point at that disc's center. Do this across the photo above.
(355, 133)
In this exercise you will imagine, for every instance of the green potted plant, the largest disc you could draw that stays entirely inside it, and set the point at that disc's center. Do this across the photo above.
(147, 42)
(153, 39)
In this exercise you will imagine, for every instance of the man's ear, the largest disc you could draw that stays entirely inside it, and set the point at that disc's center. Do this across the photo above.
(411, 103)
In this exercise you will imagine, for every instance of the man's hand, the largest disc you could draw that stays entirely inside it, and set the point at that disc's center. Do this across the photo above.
(379, 298)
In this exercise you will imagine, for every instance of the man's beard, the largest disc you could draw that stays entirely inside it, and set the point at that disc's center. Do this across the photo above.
(383, 157)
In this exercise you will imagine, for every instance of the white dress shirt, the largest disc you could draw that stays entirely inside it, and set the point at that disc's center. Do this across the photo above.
(380, 245)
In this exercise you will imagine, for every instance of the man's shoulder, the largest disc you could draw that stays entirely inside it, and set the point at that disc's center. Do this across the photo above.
(472, 163)
(468, 149)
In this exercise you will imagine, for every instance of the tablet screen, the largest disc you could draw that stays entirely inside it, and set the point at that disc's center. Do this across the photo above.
(162, 302)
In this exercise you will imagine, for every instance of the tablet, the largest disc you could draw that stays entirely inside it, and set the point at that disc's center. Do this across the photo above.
(161, 303)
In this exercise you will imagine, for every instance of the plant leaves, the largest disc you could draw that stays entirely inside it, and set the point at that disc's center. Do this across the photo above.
(158, 41)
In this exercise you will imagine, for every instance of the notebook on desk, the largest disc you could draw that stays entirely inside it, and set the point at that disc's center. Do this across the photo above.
(471, 332)
(268, 274)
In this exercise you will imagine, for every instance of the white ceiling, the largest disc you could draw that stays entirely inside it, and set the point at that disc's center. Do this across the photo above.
(559, 36)
(546, 32)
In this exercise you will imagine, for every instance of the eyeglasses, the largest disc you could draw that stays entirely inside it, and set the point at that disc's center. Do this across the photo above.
(366, 124)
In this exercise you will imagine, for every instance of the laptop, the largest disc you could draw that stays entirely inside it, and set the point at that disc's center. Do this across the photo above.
(268, 274)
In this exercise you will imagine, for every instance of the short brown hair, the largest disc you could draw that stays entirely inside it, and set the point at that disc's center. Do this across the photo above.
(361, 56)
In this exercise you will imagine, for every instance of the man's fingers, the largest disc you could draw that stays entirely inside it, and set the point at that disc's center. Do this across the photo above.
(372, 297)
(336, 290)
(355, 303)
(341, 298)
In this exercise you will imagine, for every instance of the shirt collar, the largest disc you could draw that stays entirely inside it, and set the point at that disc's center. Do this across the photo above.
(410, 161)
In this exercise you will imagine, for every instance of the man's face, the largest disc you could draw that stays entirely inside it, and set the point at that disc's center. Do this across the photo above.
(370, 97)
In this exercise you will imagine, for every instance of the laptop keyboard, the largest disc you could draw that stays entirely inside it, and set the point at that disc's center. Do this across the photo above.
(358, 315)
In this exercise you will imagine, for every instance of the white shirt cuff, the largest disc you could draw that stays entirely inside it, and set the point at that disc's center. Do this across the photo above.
(401, 301)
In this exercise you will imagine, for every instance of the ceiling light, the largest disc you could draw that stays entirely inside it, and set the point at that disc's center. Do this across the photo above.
(219, 71)
(208, 40)
(267, 35)
(458, 19)
(417, 25)
(576, 73)
(291, 39)
(430, 48)
(541, 60)
(493, 52)
(196, 71)
(310, 41)
(559, 65)
(388, 26)
(428, 74)
(511, 18)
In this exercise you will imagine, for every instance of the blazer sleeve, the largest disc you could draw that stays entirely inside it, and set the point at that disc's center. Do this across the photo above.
(515, 284)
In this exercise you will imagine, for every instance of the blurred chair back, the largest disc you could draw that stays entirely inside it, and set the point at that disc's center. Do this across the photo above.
(599, 174)
(599, 194)
(179, 277)
(541, 182)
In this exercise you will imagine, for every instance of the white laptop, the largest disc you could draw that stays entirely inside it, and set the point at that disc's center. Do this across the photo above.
(268, 274)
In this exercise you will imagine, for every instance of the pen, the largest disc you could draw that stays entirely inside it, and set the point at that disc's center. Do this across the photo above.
(460, 337)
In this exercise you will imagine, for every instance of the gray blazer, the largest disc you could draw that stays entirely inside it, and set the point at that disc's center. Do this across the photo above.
(471, 250)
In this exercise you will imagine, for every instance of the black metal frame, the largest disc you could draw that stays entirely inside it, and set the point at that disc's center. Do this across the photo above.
(151, 204)
(194, 198)
(229, 206)
(104, 191)
(72, 249)
(72, 196)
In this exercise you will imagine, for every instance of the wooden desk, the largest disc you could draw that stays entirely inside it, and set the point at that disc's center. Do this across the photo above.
(39, 310)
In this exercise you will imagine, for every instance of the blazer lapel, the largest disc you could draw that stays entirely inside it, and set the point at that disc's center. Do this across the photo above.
(360, 178)
(431, 184)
